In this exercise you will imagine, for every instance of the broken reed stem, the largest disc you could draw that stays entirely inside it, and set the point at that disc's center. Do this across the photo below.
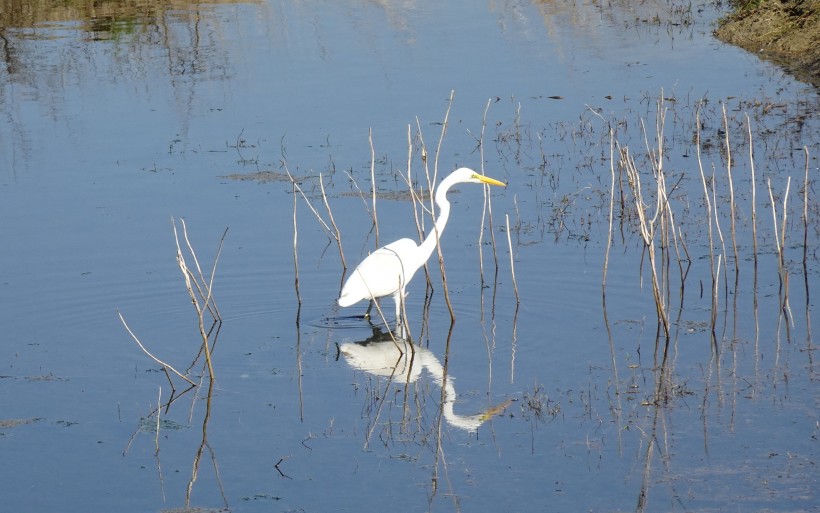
(490, 223)
(361, 193)
(159, 412)
(295, 252)
(512, 258)
(322, 222)
(611, 206)
(200, 283)
(414, 197)
(779, 235)
(718, 228)
(754, 201)
(780, 243)
(418, 200)
(201, 294)
(144, 350)
(415, 200)
(333, 233)
(785, 214)
(433, 208)
(338, 234)
(441, 136)
(647, 230)
(661, 218)
(209, 301)
(715, 287)
(373, 183)
(189, 277)
(731, 189)
(706, 198)
(806, 223)
(486, 193)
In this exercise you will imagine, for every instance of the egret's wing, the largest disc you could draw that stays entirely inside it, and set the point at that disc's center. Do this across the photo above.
(382, 273)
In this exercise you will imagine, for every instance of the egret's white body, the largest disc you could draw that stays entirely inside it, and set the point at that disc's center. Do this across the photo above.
(388, 270)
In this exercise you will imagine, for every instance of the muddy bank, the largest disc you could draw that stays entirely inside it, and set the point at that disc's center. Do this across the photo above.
(786, 32)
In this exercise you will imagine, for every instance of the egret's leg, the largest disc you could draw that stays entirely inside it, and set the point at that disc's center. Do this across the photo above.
(397, 298)
(369, 307)
(400, 328)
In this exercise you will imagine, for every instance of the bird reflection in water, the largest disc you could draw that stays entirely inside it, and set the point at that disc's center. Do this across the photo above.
(401, 361)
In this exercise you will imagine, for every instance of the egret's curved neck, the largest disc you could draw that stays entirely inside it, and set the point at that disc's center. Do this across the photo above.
(429, 244)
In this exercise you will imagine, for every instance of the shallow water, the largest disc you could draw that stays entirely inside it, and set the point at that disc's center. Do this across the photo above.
(117, 119)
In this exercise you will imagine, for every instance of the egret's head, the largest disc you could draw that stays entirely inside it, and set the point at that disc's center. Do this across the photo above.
(467, 175)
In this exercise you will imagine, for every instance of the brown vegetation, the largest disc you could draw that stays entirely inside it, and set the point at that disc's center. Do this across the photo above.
(787, 32)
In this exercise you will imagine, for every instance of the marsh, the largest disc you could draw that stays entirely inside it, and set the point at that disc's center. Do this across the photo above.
(632, 314)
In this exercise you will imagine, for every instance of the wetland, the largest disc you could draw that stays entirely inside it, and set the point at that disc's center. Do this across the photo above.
(184, 188)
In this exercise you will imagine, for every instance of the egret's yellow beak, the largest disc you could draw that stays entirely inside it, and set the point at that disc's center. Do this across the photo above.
(491, 181)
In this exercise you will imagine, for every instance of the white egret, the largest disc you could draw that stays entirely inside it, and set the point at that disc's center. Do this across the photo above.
(388, 270)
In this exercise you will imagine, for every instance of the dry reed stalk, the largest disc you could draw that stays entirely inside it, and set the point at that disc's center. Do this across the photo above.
(159, 412)
(663, 218)
(806, 221)
(165, 366)
(331, 233)
(606, 262)
(706, 197)
(715, 284)
(780, 243)
(665, 214)
(338, 234)
(483, 210)
(444, 126)
(200, 284)
(190, 279)
(647, 231)
(611, 209)
(779, 235)
(719, 232)
(732, 212)
(754, 195)
(295, 252)
(512, 260)
(318, 216)
(754, 246)
(361, 193)
(489, 207)
(414, 196)
(809, 349)
(373, 182)
(785, 214)
(418, 204)
(662, 221)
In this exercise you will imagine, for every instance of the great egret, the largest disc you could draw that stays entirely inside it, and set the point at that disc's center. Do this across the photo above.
(388, 270)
